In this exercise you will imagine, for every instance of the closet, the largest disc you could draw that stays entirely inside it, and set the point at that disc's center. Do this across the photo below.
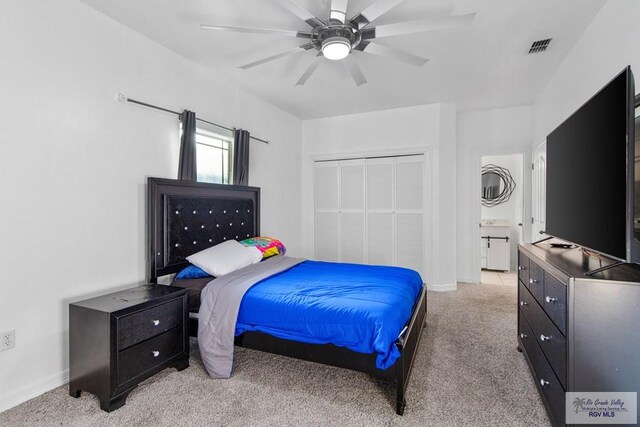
(371, 211)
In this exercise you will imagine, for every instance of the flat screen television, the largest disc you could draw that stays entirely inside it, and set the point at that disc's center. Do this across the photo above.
(590, 173)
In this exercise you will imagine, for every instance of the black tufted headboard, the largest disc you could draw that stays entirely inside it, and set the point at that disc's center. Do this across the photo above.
(184, 217)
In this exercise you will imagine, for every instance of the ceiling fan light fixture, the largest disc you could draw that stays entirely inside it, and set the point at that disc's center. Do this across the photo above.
(336, 48)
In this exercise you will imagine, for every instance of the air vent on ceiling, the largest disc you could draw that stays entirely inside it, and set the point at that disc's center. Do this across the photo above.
(539, 46)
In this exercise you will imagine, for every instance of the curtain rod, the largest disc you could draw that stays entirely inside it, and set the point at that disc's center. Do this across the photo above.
(123, 98)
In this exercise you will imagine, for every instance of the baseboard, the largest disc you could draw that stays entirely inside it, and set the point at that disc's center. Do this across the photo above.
(34, 389)
(466, 279)
(445, 287)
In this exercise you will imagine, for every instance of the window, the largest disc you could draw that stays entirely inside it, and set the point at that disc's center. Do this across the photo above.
(213, 154)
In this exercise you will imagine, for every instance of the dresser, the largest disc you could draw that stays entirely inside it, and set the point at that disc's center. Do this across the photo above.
(577, 331)
(120, 339)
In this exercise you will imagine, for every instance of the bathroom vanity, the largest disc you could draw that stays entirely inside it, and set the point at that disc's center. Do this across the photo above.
(495, 245)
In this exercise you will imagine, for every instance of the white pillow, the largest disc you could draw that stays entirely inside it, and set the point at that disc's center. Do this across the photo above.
(225, 258)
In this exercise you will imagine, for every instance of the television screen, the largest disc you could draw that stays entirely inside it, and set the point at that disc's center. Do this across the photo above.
(587, 179)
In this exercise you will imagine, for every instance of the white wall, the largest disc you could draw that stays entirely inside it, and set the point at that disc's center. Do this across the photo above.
(609, 44)
(512, 209)
(73, 164)
(427, 128)
(488, 132)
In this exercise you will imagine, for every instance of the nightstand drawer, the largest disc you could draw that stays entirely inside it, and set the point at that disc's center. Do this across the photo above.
(135, 361)
(137, 327)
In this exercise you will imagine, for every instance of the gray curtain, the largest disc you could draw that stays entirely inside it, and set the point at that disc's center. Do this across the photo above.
(187, 167)
(241, 157)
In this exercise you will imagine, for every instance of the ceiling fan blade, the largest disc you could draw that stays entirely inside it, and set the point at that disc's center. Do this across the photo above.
(338, 12)
(412, 27)
(391, 52)
(301, 13)
(293, 51)
(309, 71)
(253, 30)
(374, 11)
(354, 70)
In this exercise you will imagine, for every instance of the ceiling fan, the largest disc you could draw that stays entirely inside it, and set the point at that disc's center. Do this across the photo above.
(337, 37)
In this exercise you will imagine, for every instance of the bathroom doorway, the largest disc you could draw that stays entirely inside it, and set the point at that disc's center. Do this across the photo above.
(502, 217)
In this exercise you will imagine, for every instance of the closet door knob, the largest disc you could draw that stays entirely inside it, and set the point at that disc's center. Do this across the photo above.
(523, 335)
(520, 268)
(543, 382)
(551, 299)
(532, 281)
(523, 303)
(155, 353)
(156, 322)
(545, 337)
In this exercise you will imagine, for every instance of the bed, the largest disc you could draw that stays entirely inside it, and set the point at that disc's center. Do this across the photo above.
(185, 217)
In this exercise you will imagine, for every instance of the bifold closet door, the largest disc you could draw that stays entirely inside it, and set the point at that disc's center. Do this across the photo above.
(380, 211)
(327, 218)
(371, 211)
(339, 211)
(351, 210)
(409, 212)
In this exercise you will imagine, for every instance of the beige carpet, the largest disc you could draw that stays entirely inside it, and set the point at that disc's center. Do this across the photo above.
(467, 372)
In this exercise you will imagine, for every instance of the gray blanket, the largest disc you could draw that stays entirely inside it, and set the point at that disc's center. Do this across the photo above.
(220, 304)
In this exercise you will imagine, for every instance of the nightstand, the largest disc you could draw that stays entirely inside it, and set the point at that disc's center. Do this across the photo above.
(120, 339)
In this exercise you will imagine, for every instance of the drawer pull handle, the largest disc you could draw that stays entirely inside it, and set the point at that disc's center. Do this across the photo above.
(532, 281)
(520, 268)
(543, 382)
(523, 303)
(545, 337)
(155, 353)
(551, 299)
(523, 335)
(156, 322)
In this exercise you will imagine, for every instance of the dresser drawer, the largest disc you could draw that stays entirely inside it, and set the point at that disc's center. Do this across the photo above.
(135, 361)
(546, 334)
(523, 268)
(526, 337)
(142, 325)
(554, 345)
(555, 301)
(551, 388)
(528, 305)
(536, 281)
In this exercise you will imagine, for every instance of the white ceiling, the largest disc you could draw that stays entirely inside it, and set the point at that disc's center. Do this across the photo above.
(480, 67)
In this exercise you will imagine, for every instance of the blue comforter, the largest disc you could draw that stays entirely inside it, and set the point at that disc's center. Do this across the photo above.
(360, 307)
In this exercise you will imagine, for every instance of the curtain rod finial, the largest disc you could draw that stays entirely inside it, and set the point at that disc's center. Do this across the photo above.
(120, 97)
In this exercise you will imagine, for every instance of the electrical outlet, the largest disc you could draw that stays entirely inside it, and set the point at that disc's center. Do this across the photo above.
(8, 340)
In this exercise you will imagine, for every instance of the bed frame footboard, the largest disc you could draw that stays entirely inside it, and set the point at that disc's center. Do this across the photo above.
(328, 354)
(408, 346)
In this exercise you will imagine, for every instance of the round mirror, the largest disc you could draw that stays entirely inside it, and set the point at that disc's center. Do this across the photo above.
(497, 185)
(492, 185)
